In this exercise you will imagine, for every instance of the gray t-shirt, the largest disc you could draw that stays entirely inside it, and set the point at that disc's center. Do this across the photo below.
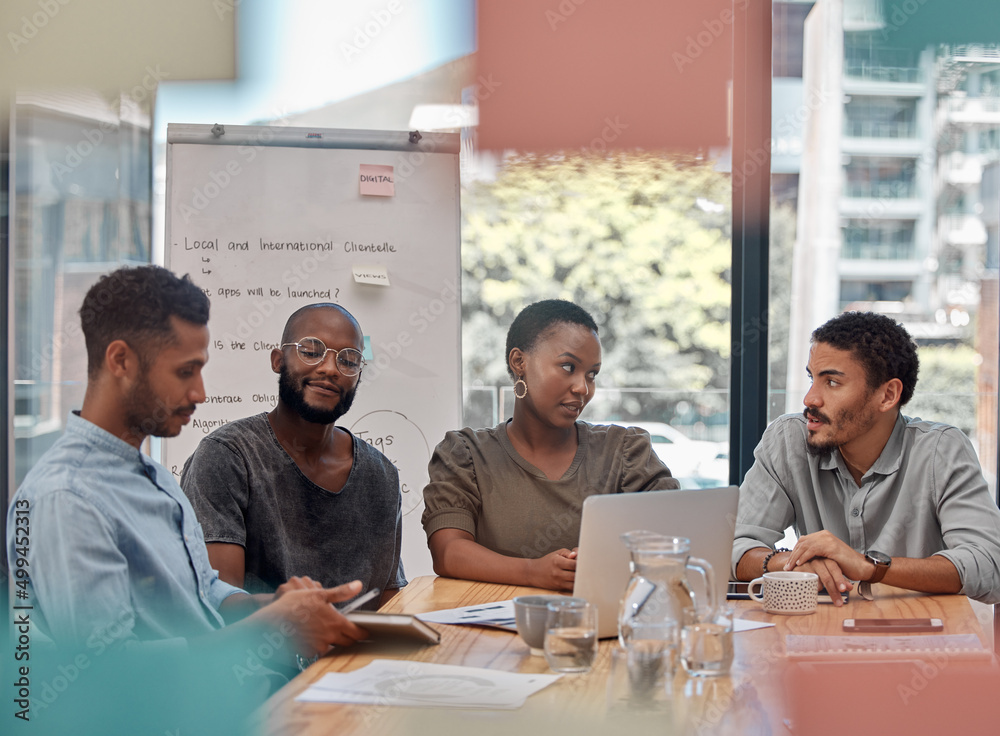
(480, 484)
(247, 490)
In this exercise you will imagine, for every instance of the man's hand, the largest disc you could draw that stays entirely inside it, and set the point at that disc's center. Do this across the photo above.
(297, 583)
(832, 560)
(555, 571)
(241, 605)
(317, 624)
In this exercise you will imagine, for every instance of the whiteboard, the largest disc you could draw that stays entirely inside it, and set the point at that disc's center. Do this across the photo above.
(266, 220)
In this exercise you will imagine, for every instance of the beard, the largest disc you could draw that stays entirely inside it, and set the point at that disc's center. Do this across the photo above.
(822, 450)
(849, 424)
(294, 397)
(816, 448)
(146, 415)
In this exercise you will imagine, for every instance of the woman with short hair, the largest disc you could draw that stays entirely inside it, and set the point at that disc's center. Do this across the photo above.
(503, 505)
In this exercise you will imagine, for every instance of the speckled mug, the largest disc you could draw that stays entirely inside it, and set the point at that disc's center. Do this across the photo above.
(788, 593)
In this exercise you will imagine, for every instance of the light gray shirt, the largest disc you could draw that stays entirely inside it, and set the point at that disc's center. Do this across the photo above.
(924, 495)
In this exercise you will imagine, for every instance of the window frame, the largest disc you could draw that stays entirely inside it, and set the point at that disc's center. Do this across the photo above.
(751, 191)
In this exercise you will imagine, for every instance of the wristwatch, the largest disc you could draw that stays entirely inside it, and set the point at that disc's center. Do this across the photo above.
(881, 561)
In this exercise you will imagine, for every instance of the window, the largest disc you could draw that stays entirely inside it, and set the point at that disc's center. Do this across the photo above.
(878, 239)
(641, 241)
(786, 47)
(880, 178)
(866, 58)
(915, 214)
(880, 117)
(862, 294)
(81, 207)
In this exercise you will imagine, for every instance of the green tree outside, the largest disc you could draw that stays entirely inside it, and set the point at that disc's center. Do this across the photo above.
(641, 241)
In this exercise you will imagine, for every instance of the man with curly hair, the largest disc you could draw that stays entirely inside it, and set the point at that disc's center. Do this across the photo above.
(873, 495)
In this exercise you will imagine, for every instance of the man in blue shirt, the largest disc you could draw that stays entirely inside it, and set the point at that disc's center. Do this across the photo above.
(116, 556)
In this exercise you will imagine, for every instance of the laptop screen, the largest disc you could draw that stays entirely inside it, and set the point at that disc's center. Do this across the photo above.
(706, 516)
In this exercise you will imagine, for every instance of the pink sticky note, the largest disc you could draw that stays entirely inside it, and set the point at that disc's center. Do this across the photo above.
(377, 180)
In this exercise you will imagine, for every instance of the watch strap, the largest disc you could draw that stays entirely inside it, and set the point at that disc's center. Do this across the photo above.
(880, 570)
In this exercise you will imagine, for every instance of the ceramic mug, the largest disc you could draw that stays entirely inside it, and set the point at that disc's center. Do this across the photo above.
(789, 593)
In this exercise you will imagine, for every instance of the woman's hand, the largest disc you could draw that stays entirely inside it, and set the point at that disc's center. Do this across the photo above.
(457, 555)
(555, 571)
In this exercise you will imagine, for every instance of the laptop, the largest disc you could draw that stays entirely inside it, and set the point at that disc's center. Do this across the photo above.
(706, 516)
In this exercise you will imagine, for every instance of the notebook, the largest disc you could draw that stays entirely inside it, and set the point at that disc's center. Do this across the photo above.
(706, 516)
(395, 626)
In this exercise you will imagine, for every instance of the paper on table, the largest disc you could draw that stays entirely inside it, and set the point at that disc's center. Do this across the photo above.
(499, 614)
(741, 625)
(405, 683)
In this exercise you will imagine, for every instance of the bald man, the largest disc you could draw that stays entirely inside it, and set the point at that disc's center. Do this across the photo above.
(288, 492)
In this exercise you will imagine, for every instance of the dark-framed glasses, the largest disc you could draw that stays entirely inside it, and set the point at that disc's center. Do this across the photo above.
(312, 351)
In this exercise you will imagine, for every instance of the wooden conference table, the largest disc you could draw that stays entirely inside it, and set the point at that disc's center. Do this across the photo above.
(755, 688)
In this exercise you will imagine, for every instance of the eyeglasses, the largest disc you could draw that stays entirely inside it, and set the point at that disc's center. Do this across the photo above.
(312, 351)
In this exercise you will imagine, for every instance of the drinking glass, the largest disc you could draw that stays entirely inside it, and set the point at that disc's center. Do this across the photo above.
(639, 678)
(707, 642)
(571, 635)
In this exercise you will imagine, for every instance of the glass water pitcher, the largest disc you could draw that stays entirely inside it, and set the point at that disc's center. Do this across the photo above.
(658, 591)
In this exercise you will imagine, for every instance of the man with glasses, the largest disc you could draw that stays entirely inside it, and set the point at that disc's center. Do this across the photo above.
(288, 492)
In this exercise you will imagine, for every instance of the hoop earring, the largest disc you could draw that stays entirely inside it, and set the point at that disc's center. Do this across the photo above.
(516, 394)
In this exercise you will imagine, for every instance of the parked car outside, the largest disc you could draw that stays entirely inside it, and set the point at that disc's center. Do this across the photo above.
(695, 463)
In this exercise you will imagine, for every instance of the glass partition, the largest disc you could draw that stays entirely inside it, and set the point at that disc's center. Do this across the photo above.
(81, 207)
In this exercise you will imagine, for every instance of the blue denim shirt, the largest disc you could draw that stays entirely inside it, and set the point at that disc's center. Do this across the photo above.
(115, 552)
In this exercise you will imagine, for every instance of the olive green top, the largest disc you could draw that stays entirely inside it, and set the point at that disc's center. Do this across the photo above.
(480, 484)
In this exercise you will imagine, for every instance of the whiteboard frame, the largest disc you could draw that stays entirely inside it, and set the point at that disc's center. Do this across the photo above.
(291, 137)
